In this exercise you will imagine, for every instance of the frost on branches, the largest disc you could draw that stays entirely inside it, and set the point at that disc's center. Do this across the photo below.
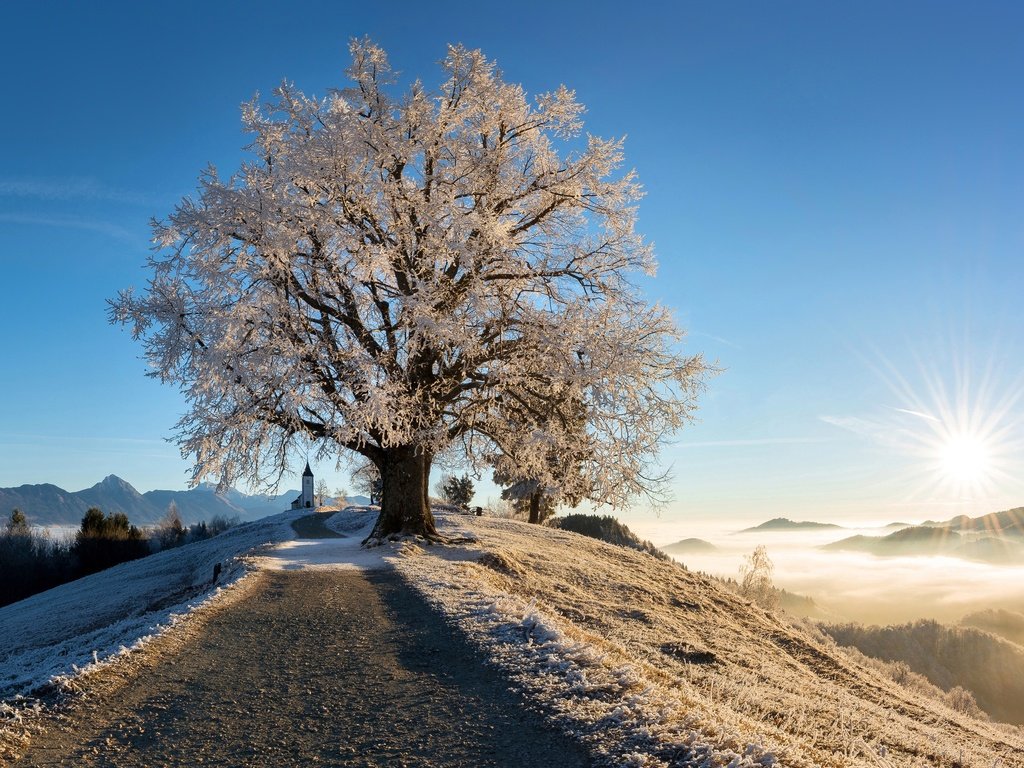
(395, 275)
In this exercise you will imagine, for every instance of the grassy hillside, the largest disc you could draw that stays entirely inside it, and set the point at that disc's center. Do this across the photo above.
(639, 655)
(606, 528)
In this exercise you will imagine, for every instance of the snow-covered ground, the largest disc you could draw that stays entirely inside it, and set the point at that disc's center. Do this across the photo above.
(645, 662)
(51, 636)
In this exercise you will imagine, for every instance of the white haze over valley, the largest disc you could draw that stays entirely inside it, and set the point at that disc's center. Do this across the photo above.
(848, 585)
(853, 585)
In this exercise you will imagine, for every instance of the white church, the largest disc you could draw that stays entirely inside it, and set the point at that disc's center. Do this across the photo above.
(305, 499)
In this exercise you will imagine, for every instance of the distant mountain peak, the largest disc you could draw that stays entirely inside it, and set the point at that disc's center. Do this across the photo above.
(48, 504)
(785, 524)
(116, 485)
(689, 547)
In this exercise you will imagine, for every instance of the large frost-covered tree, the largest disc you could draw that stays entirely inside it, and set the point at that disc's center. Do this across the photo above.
(392, 272)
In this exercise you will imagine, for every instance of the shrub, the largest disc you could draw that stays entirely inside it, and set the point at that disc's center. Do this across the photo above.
(205, 530)
(456, 490)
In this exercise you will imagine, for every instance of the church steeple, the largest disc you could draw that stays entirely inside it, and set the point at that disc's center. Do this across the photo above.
(306, 500)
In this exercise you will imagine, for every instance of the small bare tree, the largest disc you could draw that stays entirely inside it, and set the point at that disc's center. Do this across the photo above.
(323, 492)
(756, 579)
(171, 531)
(366, 478)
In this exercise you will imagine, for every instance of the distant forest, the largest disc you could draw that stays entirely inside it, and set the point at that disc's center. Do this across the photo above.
(990, 667)
(31, 561)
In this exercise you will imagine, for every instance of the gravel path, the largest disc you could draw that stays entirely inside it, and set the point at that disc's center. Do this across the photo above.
(312, 668)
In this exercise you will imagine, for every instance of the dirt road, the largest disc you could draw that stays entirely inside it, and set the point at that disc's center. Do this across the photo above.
(312, 668)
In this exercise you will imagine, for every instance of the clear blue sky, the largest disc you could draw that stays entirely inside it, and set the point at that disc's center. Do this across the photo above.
(835, 192)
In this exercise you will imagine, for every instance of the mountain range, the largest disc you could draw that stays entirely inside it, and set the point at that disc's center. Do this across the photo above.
(48, 504)
(1009, 521)
(993, 538)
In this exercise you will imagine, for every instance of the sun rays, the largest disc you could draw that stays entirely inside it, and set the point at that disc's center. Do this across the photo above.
(962, 431)
(953, 428)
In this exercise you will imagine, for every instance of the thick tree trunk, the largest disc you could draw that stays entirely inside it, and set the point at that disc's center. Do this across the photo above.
(535, 506)
(404, 506)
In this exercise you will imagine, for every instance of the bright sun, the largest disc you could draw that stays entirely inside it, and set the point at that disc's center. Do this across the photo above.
(965, 459)
(959, 427)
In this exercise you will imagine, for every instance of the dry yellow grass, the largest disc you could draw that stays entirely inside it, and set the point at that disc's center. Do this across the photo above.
(698, 658)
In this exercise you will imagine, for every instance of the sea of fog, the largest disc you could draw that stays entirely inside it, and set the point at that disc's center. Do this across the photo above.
(854, 586)
(851, 585)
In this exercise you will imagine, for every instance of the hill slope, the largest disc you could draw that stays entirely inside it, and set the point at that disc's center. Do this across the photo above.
(642, 661)
(999, 547)
(644, 656)
(1009, 521)
(988, 666)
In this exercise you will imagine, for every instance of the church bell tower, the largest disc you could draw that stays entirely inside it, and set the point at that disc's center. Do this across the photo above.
(307, 487)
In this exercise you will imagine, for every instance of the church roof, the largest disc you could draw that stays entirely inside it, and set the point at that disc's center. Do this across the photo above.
(308, 472)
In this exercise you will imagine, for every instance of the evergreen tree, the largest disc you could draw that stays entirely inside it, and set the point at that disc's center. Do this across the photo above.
(457, 490)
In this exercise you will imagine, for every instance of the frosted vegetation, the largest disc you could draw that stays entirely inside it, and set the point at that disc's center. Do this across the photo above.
(104, 614)
(643, 661)
(987, 670)
(654, 665)
(395, 275)
(33, 560)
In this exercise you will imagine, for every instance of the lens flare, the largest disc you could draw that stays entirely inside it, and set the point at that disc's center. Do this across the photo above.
(954, 430)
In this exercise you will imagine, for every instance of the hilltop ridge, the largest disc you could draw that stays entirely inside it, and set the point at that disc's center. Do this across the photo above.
(997, 537)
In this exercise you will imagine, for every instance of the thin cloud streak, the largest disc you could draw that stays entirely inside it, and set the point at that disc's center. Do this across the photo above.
(87, 438)
(889, 435)
(69, 189)
(71, 222)
(914, 413)
(712, 336)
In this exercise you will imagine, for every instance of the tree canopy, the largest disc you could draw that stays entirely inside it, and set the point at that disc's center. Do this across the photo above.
(392, 274)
